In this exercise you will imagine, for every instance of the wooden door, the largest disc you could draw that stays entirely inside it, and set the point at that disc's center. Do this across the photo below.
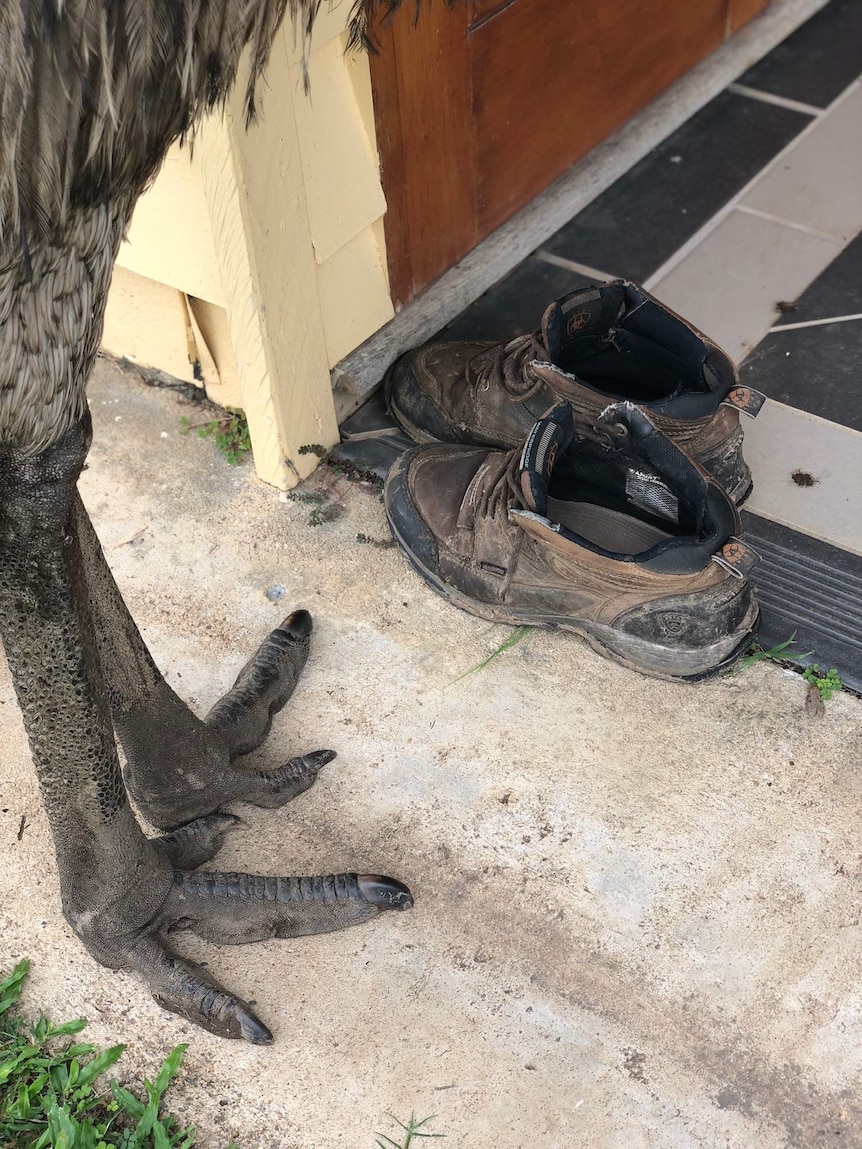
(481, 104)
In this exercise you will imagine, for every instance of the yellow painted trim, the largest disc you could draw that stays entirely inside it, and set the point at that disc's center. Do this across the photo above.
(340, 165)
(269, 247)
(256, 196)
(215, 349)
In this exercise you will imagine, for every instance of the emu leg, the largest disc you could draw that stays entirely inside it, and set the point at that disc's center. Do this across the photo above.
(120, 891)
(179, 767)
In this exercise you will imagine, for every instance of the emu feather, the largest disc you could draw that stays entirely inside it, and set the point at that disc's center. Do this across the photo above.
(92, 92)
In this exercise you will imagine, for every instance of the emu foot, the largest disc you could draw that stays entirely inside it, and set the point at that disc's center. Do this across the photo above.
(179, 768)
(231, 909)
(235, 908)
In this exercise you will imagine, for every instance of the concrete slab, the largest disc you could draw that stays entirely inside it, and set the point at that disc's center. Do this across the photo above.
(638, 905)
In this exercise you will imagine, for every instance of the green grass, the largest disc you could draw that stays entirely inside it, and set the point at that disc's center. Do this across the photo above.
(828, 682)
(53, 1093)
(775, 653)
(412, 1128)
(517, 635)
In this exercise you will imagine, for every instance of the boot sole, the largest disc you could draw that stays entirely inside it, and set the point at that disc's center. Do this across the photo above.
(652, 659)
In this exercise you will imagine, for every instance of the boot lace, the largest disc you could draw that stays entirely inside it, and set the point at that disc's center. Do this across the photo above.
(501, 491)
(509, 364)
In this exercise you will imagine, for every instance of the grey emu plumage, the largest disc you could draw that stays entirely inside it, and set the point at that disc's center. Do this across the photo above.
(92, 93)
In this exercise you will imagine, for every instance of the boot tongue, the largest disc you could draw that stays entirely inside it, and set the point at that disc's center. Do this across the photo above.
(550, 437)
(587, 311)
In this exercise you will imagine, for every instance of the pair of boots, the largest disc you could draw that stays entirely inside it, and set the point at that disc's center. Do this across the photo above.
(585, 477)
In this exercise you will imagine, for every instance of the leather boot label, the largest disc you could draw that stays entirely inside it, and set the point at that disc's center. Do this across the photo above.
(746, 400)
(737, 558)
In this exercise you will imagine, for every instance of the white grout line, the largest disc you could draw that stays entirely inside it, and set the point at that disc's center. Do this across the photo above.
(778, 101)
(720, 216)
(817, 232)
(815, 322)
(573, 265)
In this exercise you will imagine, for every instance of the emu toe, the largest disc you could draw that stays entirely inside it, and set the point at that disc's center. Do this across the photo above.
(232, 909)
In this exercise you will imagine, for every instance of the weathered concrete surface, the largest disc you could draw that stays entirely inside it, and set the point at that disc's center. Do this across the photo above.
(638, 905)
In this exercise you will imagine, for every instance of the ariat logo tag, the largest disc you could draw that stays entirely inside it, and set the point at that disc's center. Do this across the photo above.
(577, 321)
(746, 400)
(551, 459)
(737, 558)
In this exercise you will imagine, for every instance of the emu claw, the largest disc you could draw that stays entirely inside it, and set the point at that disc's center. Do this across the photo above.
(185, 988)
(179, 768)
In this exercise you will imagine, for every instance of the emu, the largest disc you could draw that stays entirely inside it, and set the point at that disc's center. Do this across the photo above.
(92, 93)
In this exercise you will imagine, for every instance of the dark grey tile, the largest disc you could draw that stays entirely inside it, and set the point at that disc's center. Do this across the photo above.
(515, 305)
(812, 588)
(372, 417)
(641, 220)
(818, 369)
(818, 61)
(373, 455)
(836, 291)
(371, 440)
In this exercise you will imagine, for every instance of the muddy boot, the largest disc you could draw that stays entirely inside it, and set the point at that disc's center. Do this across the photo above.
(641, 556)
(596, 346)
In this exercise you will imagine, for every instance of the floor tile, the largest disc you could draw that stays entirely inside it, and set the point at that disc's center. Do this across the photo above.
(371, 456)
(818, 369)
(807, 474)
(818, 183)
(633, 227)
(371, 439)
(730, 283)
(836, 291)
(818, 61)
(372, 418)
(516, 304)
(808, 588)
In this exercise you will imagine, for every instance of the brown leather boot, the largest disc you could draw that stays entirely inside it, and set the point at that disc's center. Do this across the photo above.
(640, 557)
(596, 346)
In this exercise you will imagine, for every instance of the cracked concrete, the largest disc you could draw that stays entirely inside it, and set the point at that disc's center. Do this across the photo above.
(638, 904)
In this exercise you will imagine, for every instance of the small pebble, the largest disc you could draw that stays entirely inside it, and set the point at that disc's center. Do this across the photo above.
(275, 593)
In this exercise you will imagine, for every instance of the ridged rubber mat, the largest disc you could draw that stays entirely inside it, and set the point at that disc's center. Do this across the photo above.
(810, 587)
